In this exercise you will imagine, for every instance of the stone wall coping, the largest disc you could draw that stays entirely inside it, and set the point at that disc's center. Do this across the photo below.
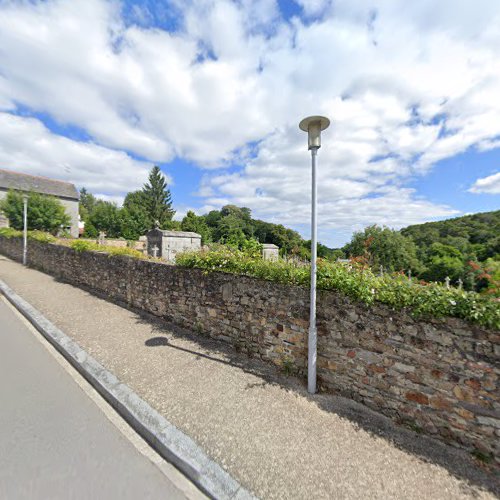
(175, 234)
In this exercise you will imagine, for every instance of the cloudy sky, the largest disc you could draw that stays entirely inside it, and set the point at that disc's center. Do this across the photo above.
(97, 91)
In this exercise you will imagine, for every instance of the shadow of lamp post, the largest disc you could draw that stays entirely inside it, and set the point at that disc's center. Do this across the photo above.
(313, 125)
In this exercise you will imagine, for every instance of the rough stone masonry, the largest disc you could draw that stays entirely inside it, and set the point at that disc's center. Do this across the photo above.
(439, 376)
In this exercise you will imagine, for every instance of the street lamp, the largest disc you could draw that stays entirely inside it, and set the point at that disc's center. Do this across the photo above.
(25, 227)
(313, 125)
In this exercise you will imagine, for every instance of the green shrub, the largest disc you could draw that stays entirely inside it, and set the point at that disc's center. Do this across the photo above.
(89, 246)
(430, 299)
(84, 246)
(8, 232)
(41, 237)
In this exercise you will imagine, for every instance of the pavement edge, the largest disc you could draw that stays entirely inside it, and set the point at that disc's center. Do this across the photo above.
(168, 441)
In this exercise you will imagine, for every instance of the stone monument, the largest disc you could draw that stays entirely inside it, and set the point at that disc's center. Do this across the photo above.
(166, 244)
(270, 251)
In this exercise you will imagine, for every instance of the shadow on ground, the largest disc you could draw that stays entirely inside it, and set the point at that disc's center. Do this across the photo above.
(458, 462)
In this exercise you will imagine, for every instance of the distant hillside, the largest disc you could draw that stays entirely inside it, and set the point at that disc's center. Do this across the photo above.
(475, 236)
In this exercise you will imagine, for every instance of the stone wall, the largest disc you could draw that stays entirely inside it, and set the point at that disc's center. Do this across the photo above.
(440, 376)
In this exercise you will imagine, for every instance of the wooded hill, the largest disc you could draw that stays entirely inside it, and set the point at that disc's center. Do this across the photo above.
(465, 249)
(476, 236)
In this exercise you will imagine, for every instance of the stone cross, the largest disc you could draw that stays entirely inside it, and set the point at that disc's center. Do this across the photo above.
(102, 238)
(409, 274)
(460, 283)
(447, 282)
(381, 270)
(155, 251)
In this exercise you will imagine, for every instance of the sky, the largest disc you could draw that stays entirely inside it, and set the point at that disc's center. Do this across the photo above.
(96, 92)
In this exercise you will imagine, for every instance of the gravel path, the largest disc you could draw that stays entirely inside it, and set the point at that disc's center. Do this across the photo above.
(258, 424)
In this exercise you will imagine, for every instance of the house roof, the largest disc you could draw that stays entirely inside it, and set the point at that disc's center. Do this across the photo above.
(43, 185)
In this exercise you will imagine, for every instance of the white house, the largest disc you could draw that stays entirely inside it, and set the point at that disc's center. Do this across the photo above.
(65, 192)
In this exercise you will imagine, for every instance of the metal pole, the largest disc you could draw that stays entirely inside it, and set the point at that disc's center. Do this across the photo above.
(312, 339)
(25, 229)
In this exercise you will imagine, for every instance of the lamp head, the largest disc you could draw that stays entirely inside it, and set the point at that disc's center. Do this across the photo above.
(313, 125)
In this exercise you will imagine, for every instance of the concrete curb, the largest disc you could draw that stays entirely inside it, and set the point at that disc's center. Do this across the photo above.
(172, 444)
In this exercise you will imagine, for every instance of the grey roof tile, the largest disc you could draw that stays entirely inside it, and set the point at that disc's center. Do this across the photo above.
(44, 185)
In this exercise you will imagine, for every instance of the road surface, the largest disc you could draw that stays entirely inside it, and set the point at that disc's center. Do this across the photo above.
(55, 442)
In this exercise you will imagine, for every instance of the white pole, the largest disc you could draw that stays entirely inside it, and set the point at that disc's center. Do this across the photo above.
(312, 339)
(313, 125)
(25, 229)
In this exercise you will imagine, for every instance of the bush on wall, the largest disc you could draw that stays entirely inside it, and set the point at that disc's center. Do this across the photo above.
(357, 282)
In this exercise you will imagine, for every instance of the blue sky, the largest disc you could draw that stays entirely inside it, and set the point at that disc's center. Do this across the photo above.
(97, 91)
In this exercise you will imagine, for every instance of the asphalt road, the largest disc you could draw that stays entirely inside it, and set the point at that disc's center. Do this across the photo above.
(260, 425)
(55, 442)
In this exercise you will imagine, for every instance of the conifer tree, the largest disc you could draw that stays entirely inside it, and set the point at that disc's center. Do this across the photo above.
(157, 198)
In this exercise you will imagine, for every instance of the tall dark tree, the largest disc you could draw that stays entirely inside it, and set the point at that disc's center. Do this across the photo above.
(87, 203)
(157, 198)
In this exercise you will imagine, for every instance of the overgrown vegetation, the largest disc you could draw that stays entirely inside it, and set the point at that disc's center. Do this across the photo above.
(358, 282)
(466, 250)
(43, 237)
(89, 246)
(354, 279)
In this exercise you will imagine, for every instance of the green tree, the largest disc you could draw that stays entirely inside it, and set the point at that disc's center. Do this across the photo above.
(86, 204)
(476, 236)
(172, 225)
(196, 224)
(230, 228)
(134, 218)
(45, 213)
(385, 247)
(105, 217)
(157, 198)
(492, 276)
(444, 261)
(212, 218)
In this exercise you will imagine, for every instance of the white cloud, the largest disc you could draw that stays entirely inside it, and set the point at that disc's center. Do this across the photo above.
(488, 185)
(405, 83)
(26, 145)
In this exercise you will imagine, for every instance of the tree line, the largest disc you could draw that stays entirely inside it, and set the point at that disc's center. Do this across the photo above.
(152, 205)
(465, 249)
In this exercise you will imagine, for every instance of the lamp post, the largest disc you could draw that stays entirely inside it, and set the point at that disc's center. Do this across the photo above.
(25, 227)
(313, 125)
